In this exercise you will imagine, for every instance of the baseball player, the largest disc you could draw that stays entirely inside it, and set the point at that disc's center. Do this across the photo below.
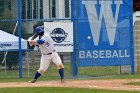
(48, 53)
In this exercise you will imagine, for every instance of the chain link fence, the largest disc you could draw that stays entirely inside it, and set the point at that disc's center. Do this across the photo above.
(33, 14)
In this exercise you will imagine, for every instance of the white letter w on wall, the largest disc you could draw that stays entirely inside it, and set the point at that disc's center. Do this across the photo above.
(105, 11)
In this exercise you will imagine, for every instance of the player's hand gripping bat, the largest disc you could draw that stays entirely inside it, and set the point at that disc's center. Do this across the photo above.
(31, 38)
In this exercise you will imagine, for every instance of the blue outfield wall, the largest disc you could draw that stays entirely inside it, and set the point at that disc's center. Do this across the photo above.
(105, 33)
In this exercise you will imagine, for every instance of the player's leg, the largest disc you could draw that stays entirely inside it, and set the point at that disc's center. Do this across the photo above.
(56, 59)
(44, 63)
(61, 73)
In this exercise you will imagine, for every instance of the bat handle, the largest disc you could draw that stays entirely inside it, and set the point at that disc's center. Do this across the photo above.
(33, 36)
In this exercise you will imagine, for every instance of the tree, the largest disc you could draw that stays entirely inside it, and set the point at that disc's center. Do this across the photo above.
(8, 26)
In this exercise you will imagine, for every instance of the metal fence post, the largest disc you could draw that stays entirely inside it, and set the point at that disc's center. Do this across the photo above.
(74, 66)
(132, 40)
(19, 35)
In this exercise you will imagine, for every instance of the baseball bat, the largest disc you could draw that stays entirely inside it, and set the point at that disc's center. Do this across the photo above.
(33, 36)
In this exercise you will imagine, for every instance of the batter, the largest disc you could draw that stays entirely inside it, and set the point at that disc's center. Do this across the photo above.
(45, 43)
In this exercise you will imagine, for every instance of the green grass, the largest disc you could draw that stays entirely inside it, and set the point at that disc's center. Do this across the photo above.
(57, 78)
(59, 90)
(133, 83)
(52, 73)
(98, 71)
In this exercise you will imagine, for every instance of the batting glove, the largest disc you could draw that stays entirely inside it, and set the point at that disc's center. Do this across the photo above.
(30, 39)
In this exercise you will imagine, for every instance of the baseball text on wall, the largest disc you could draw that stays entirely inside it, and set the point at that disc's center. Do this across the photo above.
(104, 30)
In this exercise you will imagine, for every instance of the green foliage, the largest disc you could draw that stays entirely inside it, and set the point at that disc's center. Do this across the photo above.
(8, 26)
(7, 15)
(39, 23)
(11, 59)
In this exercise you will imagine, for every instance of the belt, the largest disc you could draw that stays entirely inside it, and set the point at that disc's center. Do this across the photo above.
(49, 53)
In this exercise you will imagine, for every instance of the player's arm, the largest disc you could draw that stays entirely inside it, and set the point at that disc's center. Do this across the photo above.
(31, 41)
(35, 41)
(40, 41)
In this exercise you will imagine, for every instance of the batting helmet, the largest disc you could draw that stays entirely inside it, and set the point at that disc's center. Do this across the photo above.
(39, 29)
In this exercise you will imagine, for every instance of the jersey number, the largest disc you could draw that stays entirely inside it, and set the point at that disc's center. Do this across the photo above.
(47, 44)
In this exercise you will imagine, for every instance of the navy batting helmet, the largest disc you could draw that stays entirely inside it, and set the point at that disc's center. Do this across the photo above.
(39, 29)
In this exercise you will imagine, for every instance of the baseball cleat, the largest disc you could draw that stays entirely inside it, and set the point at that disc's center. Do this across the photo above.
(33, 81)
(62, 80)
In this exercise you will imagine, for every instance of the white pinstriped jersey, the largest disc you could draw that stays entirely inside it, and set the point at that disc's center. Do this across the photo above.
(48, 46)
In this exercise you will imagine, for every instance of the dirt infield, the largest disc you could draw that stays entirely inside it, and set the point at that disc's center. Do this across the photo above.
(113, 84)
